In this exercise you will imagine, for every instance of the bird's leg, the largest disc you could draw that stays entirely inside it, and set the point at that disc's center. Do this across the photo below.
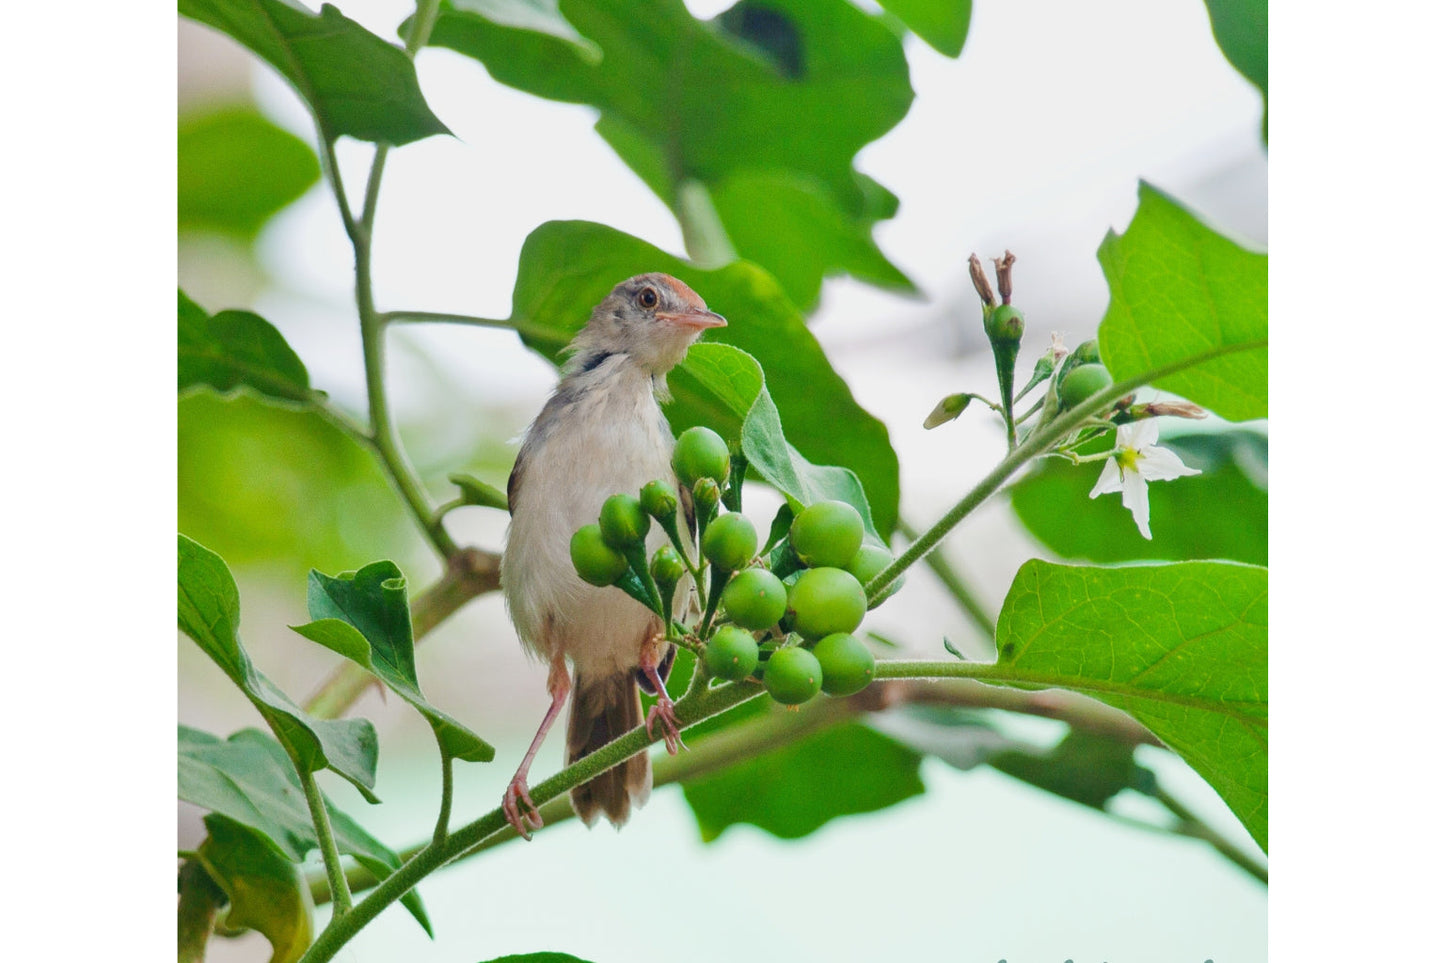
(517, 803)
(662, 710)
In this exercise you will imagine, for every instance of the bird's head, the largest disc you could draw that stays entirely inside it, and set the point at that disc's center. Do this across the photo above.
(652, 318)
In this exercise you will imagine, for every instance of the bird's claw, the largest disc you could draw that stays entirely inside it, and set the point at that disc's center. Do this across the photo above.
(519, 809)
(662, 712)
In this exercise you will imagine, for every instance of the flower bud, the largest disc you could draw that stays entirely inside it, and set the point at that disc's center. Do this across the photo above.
(706, 494)
(947, 410)
(659, 499)
(667, 568)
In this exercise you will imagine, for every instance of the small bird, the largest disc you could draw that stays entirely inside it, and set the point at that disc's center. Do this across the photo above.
(601, 432)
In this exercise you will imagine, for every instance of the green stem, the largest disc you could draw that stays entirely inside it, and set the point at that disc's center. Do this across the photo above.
(550, 336)
(340, 891)
(444, 817)
(1039, 441)
(1191, 825)
(345, 925)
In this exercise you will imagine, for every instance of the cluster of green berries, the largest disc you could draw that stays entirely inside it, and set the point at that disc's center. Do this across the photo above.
(786, 617)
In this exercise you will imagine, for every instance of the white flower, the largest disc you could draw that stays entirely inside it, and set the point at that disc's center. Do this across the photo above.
(1138, 462)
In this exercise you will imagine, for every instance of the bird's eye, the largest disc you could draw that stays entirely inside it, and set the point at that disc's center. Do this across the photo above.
(647, 297)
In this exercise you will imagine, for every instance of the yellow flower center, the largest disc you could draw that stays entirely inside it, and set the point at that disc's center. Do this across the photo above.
(1129, 459)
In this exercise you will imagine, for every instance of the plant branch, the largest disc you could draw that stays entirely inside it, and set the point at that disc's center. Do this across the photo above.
(1191, 825)
(345, 925)
(444, 817)
(470, 572)
(1039, 441)
(335, 877)
(550, 336)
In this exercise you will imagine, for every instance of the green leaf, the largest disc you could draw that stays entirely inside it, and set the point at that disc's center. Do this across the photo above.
(365, 617)
(1089, 769)
(545, 957)
(236, 169)
(249, 779)
(1177, 291)
(1241, 28)
(793, 791)
(1183, 648)
(234, 350)
(200, 901)
(209, 611)
(767, 212)
(355, 83)
(942, 24)
(567, 267)
(476, 492)
(686, 101)
(735, 382)
(539, 16)
(267, 892)
(1222, 513)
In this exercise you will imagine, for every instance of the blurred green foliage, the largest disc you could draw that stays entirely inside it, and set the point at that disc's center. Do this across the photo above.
(236, 169)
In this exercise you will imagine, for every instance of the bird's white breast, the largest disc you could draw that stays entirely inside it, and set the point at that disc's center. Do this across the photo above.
(609, 438)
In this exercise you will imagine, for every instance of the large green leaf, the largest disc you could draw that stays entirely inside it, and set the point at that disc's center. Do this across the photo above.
(249, 779)
(354, 82)
(364, 616)
(1178, 291)
(1182, 648)
(234, 350)
(209, 611)
(267, 892)
(1221, 513)
(942, 24)
(793, 791)
(567, 267)
(1241, 28)
(687, 102)
(236, 169)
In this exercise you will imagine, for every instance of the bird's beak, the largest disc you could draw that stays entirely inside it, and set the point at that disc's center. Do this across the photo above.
(696, 320)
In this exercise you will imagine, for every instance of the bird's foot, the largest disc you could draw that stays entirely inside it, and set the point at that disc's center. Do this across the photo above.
(662, 712)
(518, 807)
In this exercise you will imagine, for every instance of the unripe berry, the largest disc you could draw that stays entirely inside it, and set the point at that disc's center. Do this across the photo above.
(659, 499)
(730, 541)
(755, 599)
(868, 563)
(792, 676)
(847, 664)
(826, 600)
(700, 453)
(827, 534)
(623, 521)
(667, 567)
(731, 654)
(1005, 323)
(596, 561)
(1082, 382)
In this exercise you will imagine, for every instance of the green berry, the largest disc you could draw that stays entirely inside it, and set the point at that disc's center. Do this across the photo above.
(1005, 323)
(667, 566)
(868, 563)
(826, 600)
(700, 453)
(1086, 353)
(705, 495)
(1082, 382)
(730, 541)
(623, 521)
(847, 663)
(731, 654)
(659, 499)
(595, 560)
(755, 598)
(792, 676)
(827, 534)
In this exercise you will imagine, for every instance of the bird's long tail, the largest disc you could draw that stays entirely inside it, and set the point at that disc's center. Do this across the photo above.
(602, 710)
